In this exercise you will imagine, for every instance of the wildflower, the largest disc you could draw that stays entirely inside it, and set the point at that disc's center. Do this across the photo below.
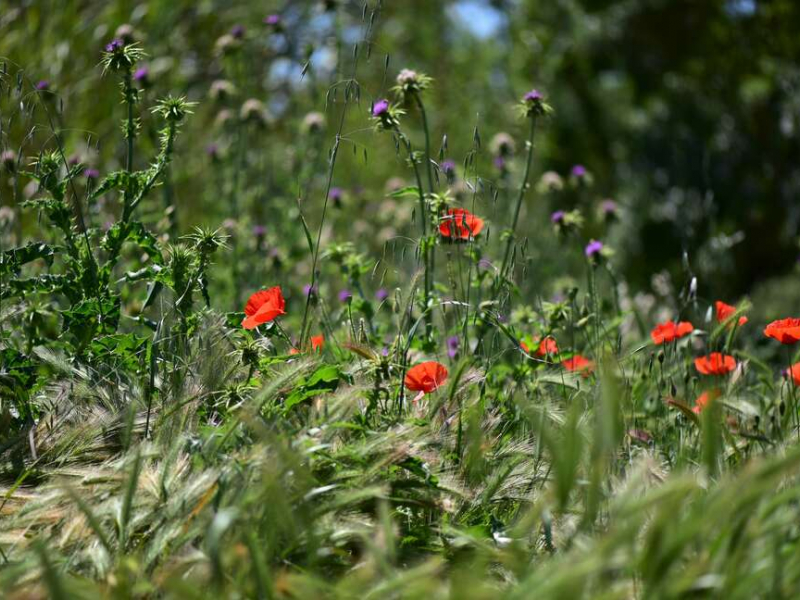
(448, 167)
(558, 217)
(227, 44)
(309, 290)
(263, 307)
(386, 115)
(724, 311)
(715, 363)
(380, 108)
(253, 111)
(550, 182)
(43, 85)
(313, 122)
(221, 90)
(345, 295)
(273, 21)
(593, 249)
(9, 160)
(115, 45)
(452, 346)
(794, 373)
(609, 210)
(212, 150)
(411, 82)
(237, 31)
(126, 33)
(670, 331)
(91, 174)
(544, 346)
(381, 294)
(579, 364)
(579, 176)
(500, 164)
(502, 144)
(703, 401)
(317, 341)
(459, 223)
(259, 231)
(786, 331)
(534, 105)
(336, 194)
(425, 377)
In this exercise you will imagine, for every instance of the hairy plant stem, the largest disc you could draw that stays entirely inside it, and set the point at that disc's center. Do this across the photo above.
(430, 264)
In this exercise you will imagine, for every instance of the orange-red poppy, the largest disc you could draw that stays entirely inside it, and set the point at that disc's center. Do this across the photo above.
(715, 363)
(544, 346)
(263, 307)
(426, 377)
(724, 311)
(786, 331)
(579, 364)
(703, 400)
(317, 341)
(670, 331)
(794, 373)
(459, 223)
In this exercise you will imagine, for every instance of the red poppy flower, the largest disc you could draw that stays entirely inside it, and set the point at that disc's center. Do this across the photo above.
(580, 364)
(786, 331)
(317, 341)
(459, 223)
(715, 364)
(426, 377)
(794, 373)
(669, 331)
(724, 311)
(703, 400)
(263, 307)
(543, 346)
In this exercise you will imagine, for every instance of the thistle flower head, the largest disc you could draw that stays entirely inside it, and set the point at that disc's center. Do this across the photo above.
(272, 20)
(173, 108)
(411, 82)
(533, 104)
(221, 90)
(142, 76)
(502, 144)
(9, 160)
(313, 122)
(119, 56)
(43, 85)
(253, 111)
(579, 176)
(385, 114)
(550, 182)
(237, 31)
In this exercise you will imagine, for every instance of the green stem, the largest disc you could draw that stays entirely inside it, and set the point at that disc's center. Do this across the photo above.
(522, 189)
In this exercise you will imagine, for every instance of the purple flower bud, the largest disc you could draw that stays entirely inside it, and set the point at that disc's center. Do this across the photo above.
(380, 108)
(594, 247)
(448, 167)
(237, 31)
(533, 96)
(609, 207)
(141, 74)
(452, 346)
(345, 296)
(336, 194)
(43, 85)
(91, 173)
(259, 230)
(381, 294)
(558, 216)
(578, 171)
(115, 45)
(272, 20)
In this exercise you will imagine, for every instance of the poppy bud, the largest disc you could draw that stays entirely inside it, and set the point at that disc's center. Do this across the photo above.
(661, 357)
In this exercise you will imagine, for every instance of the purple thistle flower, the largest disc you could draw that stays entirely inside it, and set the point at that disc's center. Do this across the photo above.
(381, 294)
(380, 108)
(532, 96)
(345, 295)
(114, 45)
(448, 167)
(259, 230)
(499, 163)
(272, 20)
(309, 290)
(336, 194)
(43, 85)
(452, 346)
(594, 247)
(385, 351)
(578, 171)
(558, 216)
(609, 207)
(91, 173)
(237, 31)
(141, 74)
